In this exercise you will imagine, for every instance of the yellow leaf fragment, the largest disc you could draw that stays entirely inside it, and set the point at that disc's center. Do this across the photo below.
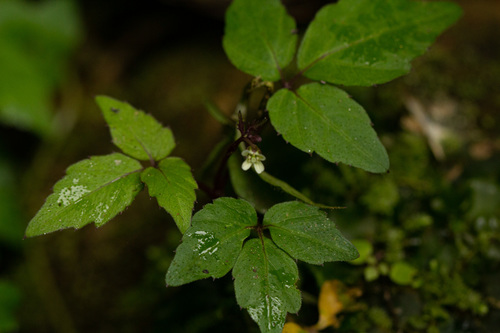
(293, 328)
(334, 298)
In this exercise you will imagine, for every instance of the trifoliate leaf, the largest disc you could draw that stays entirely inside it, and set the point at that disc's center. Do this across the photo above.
(365, 42)
(264, 282)
(93, 190)
(211, 245)
(259, 37)
(324, 119)
(172, 183)
(134, 132)
(305, 233)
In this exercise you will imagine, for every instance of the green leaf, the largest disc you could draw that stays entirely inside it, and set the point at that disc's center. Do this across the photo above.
(211, 245)
(134, 132)
(364, 42)
(306, 233)
(265, 279)
(325, 119)
(93, 190)
(173, 185)
(259, 37)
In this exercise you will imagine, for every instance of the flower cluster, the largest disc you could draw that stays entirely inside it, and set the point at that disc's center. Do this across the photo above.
(253, 158)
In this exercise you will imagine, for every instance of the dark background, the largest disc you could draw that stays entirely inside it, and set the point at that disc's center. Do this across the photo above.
(166, 57)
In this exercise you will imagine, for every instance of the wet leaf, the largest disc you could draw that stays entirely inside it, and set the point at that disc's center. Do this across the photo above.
(173, 185)
(259, 37)
(134, 132)
(365, 42)
(306, 233)
(265, 279)
(93, 190)
(211, 245)
(324, 119)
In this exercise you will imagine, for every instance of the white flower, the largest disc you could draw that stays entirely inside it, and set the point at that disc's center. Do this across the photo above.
(253, 158)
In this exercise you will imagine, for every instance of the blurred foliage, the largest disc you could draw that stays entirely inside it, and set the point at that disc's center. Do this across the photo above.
(11, 224)
(427, 270)
(10, 297)
(428, 232)
(35, 42)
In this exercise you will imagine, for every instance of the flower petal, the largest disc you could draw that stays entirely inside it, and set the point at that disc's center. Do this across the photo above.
(258, 167)
(246, 165)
